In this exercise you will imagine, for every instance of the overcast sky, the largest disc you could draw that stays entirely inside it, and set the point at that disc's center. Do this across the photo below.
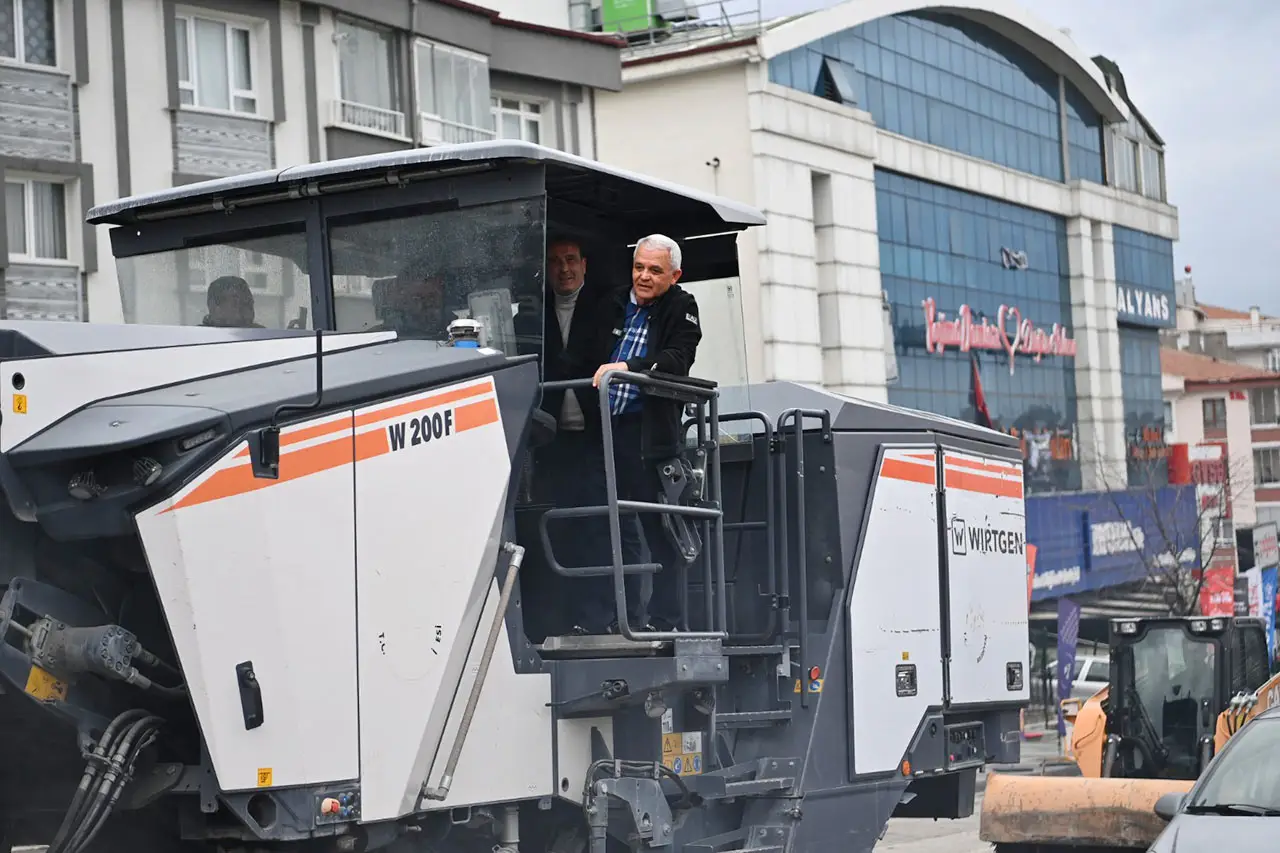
(1209, 81)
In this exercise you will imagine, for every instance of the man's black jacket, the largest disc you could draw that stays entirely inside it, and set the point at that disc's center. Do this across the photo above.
(576, 360)
(674, 333)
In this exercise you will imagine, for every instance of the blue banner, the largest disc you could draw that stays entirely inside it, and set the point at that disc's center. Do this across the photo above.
(1093, 540)
(1068, 638)
(1269, 608)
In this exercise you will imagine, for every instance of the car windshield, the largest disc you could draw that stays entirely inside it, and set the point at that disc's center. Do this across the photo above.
(1246, 773)
(408, 272)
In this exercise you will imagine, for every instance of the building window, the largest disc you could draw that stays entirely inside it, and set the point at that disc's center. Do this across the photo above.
(1215, 414)
(216, 64)
(36, 220)
(1137, 160)
(28, 31)
(1273, 360)
(1264, 406)
(368, 79)
(1168, 422)
(954, 83)
(453, 94)
(1266, 466)
(518, 120)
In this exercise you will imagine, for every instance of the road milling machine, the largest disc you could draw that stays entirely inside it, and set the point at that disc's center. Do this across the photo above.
(291, 585)
(1178, 689)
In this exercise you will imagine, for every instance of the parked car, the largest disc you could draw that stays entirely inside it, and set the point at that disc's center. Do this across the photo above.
(1242, 781)
(1092, 673)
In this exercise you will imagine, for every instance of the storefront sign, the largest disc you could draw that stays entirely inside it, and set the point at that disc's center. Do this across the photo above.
(1216, 593)
(1116, 537)
(1013, 259)
(1010, 333)
(1147, 444)
(1139, 306)
(1266, 547)
(1269, 608)
(1090, 541)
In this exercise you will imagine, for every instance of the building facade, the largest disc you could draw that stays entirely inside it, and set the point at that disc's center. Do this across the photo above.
(101, 99)
(966, 215)
(1238, 405)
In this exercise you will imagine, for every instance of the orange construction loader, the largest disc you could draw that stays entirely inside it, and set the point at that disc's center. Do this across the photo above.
(1178, 689)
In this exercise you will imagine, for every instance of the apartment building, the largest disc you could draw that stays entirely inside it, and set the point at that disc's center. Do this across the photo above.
(101, 99)
(1237, 405)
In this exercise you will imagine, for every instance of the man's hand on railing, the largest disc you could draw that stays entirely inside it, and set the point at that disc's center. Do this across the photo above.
(605, 368)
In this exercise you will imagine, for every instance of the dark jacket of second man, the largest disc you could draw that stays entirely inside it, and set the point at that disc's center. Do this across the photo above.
(674, 333)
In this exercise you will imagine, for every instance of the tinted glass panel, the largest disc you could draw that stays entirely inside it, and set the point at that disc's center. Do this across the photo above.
(1245, 774)
(257, 282)
(960, 249)
(952, 83)
(1144, 421)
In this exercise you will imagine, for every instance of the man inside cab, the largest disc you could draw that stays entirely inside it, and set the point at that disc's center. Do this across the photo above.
(570, 470)
(651, 326)
(230, 303)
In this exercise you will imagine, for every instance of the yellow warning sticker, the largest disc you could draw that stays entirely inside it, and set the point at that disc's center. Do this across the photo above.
(43, 686)
(264, 777)
(682, 753)
(906, 655)
(815, 686)
(19, 404)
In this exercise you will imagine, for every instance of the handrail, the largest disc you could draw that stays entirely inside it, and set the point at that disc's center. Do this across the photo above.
(615, 506)
(767, 525)
(802, 557)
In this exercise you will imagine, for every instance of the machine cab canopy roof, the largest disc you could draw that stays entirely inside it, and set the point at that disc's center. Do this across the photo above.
(405, 241)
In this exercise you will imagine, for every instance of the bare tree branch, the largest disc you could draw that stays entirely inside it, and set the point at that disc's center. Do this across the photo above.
(1175, 544)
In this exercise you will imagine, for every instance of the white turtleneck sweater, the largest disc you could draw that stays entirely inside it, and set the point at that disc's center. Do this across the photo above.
(570, 412)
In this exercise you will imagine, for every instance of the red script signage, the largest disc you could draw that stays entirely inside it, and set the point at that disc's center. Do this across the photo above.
(1023, 336)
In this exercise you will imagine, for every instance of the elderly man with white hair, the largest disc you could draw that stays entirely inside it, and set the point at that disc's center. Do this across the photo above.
(652, 325)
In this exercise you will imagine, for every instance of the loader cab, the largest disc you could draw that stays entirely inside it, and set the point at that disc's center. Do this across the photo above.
(1170, 679)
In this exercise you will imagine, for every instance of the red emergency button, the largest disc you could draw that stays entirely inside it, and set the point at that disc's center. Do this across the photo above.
(329, 806)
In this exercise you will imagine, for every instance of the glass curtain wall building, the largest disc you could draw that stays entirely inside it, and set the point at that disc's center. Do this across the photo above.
(989, 273)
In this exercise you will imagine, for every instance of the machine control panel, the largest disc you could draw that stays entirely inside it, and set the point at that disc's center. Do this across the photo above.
(338, 805)
(966, 745)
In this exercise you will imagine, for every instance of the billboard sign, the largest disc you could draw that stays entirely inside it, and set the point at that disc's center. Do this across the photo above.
(1090, 541)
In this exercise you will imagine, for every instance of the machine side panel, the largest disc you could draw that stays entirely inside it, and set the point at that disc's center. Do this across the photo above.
(895, 612)
(987, 576)
(262, 572)
(56, 386)
(511, 729)
(432, 473)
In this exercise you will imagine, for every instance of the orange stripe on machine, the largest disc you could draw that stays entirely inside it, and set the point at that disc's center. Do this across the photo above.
(910, 468)
(395, 427)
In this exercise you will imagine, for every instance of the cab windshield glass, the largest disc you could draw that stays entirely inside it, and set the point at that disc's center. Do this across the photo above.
(255, 282)
(408, 272)
(1172, 676)
(1245, 773)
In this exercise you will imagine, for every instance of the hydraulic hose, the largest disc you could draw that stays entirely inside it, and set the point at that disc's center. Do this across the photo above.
(109, 770)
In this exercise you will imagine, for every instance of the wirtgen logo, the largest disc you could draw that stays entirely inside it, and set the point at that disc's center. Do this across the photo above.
(984, 540)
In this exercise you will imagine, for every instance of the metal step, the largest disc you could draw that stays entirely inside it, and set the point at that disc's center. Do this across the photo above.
(753, 651)
(601, 646)
(753, 719)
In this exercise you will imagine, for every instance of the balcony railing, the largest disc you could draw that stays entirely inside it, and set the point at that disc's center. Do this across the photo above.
(368, 118)
(681, 24)
(434, 130)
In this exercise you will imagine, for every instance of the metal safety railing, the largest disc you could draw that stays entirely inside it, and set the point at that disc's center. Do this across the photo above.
(705, 396)
(674, 25)
(796, 418)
